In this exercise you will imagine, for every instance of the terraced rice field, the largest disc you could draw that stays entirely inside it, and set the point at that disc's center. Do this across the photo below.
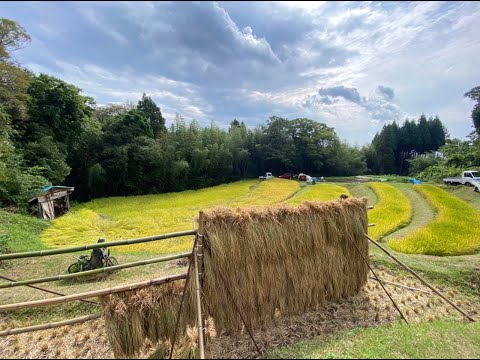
(392, 211)
(139, 216)
(454, 231)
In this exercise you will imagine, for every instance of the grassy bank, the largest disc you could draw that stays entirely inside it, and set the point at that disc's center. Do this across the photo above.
(435, 340)
(20, 232)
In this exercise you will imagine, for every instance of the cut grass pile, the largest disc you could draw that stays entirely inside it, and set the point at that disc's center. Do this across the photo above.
(392, 211)
(453, 232)
(119, 218)
(319, 192)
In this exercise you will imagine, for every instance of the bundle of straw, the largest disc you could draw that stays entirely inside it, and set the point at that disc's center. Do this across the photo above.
(132, 317)
(284, 258)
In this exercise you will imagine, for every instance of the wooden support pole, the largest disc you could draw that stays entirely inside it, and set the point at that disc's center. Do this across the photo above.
(419, 278)
(199, 306)
(90, 294)
(200, 241)
(365, 260)
(51, 325)
(371, 225)
(184, 292)
(400, 285)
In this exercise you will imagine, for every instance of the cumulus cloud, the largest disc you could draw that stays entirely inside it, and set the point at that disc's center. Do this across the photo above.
(350, 94)
(379, 105)
(386, 92)
(204, 29)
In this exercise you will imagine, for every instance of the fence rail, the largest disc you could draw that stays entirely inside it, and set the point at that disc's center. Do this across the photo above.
(51, 325)
(90, 294)
(95, 246)
(93, 272)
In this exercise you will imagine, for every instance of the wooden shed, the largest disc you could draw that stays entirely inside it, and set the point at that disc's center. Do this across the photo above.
(52, 201)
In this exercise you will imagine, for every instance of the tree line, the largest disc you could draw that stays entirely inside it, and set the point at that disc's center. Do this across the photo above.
(50, 133)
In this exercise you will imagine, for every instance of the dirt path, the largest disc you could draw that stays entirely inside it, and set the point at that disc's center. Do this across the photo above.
(362, 190)
(423, 213)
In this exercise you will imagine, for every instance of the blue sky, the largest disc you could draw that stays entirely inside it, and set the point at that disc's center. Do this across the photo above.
(354, 66)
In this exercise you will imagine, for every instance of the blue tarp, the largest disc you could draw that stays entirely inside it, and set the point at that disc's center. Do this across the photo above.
(415, 181)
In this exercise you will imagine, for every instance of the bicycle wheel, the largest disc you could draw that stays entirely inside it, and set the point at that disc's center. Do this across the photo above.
(74, 268)
(111, 261)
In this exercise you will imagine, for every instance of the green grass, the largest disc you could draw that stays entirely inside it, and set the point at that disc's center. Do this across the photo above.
(465, 193)
(319, 192)
(20, 232)
(454, 231)
(393, 210)
(439, 339)
(362, 190)
(119, 218)
(392, 178)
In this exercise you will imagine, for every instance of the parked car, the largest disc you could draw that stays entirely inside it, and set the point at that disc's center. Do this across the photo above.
(286, 176)
(267, 176)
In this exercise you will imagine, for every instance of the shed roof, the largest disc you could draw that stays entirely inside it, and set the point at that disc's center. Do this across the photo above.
(51, 189)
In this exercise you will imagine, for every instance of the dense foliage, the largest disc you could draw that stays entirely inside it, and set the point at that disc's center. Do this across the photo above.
(394, 145)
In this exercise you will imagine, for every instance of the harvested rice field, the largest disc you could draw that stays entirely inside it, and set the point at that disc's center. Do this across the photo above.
(119, 218)
(370, 308)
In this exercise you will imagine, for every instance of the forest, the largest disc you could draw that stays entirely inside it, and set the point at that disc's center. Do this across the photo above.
(51, 133)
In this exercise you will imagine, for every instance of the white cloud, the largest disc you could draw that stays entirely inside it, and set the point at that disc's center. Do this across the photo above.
(100, 22)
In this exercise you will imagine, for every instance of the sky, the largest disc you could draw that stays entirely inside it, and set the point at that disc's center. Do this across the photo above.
(352, 65)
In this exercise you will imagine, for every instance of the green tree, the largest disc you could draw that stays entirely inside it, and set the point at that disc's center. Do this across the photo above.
(12, 37)
(153, 114)
(474, 94)
(56, 109)
(49, 156)
(17, 183)
(107, 114)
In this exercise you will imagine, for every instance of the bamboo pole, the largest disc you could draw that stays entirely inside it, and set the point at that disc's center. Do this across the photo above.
(95, 246)
(400, 285)
(201, 257)
(51, 325)
(199, 307)
(46, 290)
(370, 225)
(93, 272)
(381, 284)
(90, 294)
(184, 292)
(419, 278)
